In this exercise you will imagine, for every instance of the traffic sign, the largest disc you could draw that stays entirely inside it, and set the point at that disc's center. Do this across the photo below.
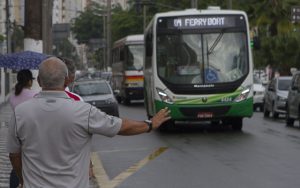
(295, 13)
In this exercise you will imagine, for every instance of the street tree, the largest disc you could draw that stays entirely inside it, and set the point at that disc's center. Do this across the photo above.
(64, 48)
(2, 38)
(278, 39)
(89, 24)
(125, 22)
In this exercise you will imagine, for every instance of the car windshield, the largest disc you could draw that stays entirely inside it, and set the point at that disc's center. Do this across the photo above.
(92, 88)
(284, 84)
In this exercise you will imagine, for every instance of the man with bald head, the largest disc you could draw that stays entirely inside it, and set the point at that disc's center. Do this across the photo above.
(50, 135)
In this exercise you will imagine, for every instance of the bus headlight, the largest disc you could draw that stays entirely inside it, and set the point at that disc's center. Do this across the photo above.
(244, 94)
(163, 96)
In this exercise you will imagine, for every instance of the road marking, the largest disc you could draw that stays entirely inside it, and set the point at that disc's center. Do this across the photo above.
(102, 178)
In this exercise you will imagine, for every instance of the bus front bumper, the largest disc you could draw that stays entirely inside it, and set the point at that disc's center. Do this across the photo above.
(211, 112)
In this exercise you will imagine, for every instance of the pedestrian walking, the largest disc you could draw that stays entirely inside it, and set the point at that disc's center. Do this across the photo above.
(21, 93)
(50, 135)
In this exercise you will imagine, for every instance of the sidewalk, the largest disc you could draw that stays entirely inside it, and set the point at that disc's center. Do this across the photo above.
(5, 166)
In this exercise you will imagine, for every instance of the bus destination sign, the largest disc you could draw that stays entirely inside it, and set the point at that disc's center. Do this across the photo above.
(197, 22)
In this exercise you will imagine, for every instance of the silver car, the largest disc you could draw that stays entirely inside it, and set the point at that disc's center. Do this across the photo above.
(293, 101)
(276, 95)
(97, 93)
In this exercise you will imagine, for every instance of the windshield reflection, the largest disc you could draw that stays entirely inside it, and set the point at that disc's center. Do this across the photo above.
(202, 58)
(135, 57)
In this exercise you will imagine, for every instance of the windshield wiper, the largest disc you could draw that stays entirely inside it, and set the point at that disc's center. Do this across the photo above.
(216, 42)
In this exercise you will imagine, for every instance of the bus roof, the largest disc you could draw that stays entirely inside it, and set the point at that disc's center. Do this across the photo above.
(130, 39)
(199, 12)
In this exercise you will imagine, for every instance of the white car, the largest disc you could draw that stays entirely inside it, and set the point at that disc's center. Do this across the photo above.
(258, 94)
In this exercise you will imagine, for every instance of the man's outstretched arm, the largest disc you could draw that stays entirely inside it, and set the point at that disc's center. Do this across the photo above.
(131, 127)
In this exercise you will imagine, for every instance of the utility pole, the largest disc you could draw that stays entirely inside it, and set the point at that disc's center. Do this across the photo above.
(104, 38)
(8, 24)
(145, 15)
(108, 35)
(6, 81)
(194, 4)
(229, 4)
(47, 26)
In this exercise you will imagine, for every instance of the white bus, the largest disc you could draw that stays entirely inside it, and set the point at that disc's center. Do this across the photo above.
(127, 68)
(198, 63)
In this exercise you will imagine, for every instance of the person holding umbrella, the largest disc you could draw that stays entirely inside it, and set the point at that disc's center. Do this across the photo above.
(22, 93)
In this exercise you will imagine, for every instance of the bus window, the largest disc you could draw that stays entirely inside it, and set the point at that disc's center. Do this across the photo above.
(149, 48)
(122, 54)
(135, 57)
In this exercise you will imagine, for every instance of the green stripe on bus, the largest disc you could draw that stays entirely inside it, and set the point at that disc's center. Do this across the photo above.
(237, 109)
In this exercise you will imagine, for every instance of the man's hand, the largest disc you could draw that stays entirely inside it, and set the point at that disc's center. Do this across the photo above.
(159, 118)
(132, 127)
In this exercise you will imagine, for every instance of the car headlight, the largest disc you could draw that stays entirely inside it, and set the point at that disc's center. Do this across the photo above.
(163, 96)
(244, 94)
(109, 101)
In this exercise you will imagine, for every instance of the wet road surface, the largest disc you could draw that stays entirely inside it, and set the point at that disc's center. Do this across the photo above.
(264, 154)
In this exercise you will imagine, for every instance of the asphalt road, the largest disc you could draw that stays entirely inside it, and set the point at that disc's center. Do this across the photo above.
(264, 155)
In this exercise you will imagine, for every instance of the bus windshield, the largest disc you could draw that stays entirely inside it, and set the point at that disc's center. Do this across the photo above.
(135, 57)
(202, 58)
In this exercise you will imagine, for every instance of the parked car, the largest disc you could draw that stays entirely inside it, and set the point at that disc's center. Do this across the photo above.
(293, 101)
(258, 94)
(276, 95)
(98, 93)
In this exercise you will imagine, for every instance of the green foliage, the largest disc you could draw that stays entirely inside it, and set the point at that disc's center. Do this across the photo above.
(65, 48)
(279, 41)
(96, 59)
(2, 38)
(125, 23)
(281, 52)
(89, 24)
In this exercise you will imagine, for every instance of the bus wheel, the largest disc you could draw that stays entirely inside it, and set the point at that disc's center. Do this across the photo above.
(237, 124)
(166, 126)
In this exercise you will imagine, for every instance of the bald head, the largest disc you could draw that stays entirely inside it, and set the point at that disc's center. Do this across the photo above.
(52, 74)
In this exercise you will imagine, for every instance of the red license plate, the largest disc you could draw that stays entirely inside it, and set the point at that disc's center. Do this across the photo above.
(205, 115)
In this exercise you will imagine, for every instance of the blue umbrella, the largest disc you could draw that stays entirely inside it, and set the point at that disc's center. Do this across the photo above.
(22, 60)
